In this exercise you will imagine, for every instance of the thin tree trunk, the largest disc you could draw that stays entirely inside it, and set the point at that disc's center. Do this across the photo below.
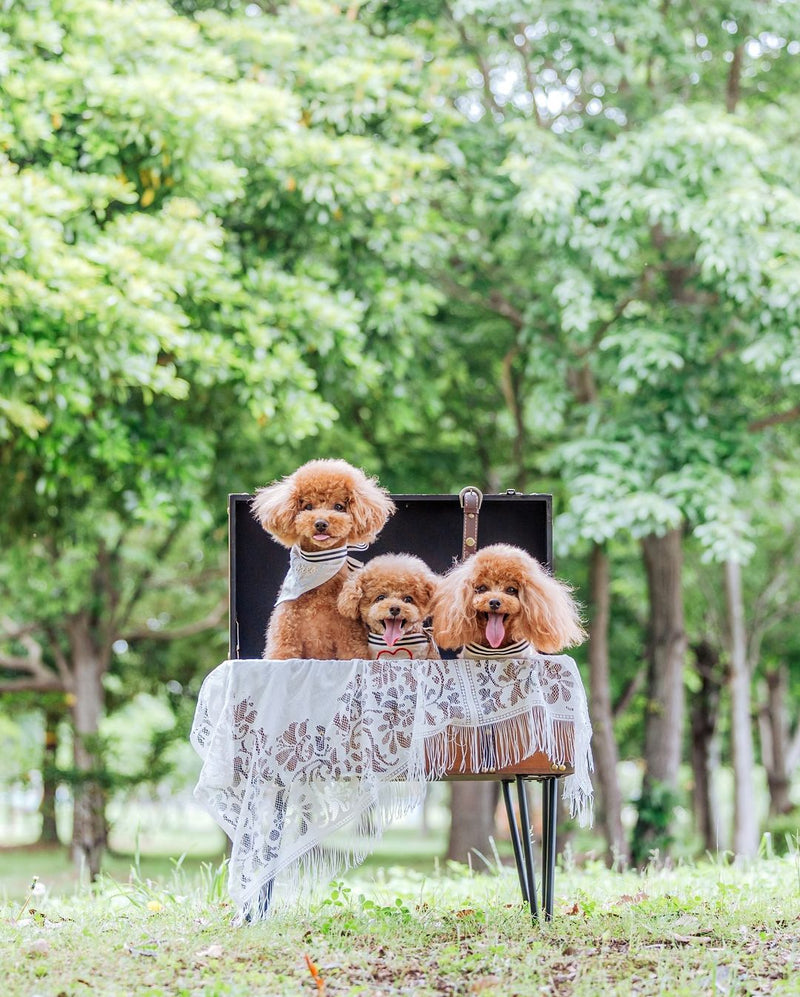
(89, 825)
(775, 741)
(472, 807)
(604, 746)
(49, 831)
(745, 817)
(703, 718)
(663, 557)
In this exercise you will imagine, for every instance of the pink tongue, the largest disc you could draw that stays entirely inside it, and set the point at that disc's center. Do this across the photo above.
(393, 630)
(321, 536)
(495, 631)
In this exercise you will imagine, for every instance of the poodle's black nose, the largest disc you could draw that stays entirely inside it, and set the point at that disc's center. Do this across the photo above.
(494, 605)
(394, 611)
(321, 525)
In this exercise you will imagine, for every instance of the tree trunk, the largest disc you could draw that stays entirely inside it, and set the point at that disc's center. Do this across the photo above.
(663, 557)
(472, 807)
(89, 834)
(604, 746)
(775, 741)
(745, 817)
(704, 748)
(49, 831)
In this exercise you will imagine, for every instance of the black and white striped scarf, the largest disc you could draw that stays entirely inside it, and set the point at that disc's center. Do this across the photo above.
(309, 569)
(519, 649)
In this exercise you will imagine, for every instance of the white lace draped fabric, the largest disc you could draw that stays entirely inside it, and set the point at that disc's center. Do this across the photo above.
(305, 762)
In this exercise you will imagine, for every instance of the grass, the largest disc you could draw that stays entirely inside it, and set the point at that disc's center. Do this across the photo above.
(709, 928)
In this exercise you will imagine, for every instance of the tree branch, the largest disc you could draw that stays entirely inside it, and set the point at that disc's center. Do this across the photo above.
(208, 622)
(773, 420)
(471, 47)
(734, 80)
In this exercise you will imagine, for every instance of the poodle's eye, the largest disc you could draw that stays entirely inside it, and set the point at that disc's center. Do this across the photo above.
(481, 588)
(339, 507)
(380, 598)
(306, 506)
(512, 591)
(408, 598)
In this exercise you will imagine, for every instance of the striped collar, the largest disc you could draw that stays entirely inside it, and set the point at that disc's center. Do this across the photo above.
(407, 640)
(520, 649)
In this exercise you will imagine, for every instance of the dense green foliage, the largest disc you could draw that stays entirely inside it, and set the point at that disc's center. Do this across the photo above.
(560, 255)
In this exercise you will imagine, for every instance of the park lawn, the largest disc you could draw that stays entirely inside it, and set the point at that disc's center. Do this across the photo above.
(709, 928)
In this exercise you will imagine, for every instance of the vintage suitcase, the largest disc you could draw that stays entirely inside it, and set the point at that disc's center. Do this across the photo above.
(440, 529)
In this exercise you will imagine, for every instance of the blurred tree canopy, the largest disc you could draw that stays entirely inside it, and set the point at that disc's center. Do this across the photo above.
(452, 242)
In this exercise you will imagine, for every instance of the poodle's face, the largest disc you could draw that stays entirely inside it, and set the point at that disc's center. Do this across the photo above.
(502, 595)
(390, 594)
(324, 504)
(495, 598)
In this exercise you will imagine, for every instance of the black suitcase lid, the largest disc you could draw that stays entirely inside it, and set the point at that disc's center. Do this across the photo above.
(429, 526)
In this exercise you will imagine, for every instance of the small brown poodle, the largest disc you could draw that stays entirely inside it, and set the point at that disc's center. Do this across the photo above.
(319, 511)
(391, 598)
(501, 602)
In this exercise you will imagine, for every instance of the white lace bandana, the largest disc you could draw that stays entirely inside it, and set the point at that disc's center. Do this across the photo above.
(308, 569)
(406, 646)
(479, 652)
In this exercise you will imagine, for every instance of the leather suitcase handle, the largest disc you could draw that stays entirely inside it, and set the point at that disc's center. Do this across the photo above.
(471, 499)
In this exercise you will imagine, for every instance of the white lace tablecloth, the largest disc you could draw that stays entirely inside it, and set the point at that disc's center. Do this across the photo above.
(305, 761)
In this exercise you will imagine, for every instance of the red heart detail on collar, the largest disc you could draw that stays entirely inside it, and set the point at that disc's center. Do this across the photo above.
(401, 652)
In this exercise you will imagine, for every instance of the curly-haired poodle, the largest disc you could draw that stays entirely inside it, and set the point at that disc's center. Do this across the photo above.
(501, 602)
(391, 598)
(322, 511)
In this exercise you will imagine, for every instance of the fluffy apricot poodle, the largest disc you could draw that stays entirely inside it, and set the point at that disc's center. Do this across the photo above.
(321, 512)
(502, 602)
(391, 598)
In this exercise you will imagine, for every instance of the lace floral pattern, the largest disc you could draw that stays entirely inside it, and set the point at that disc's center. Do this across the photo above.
(295, 751)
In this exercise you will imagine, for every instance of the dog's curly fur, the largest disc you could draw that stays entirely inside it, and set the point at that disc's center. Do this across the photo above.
(323, 505)
(506, 585)
(391, 594)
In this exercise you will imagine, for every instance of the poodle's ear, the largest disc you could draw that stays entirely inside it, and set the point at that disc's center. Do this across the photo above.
(370, 507)
(550, 615)
(275, 508)
(453, 619)
(350, 596)
(427, 584)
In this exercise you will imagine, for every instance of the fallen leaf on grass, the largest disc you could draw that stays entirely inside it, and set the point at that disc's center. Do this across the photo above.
(315, 974)
(635, 898)
(37, 948)
(212, 952)
(484, 983)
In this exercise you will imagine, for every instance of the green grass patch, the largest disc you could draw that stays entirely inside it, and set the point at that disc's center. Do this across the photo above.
(707, 928)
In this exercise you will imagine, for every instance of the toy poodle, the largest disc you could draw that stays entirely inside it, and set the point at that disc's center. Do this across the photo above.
(501, 602)
(391, 598)
(322, 511)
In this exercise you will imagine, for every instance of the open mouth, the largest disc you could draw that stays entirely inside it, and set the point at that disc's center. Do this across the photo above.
(495, 624)
(393, 629)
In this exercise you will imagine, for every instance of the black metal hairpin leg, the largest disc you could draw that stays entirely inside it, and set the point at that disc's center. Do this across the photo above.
(515, 842)
(549, 828)
(521, 841)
